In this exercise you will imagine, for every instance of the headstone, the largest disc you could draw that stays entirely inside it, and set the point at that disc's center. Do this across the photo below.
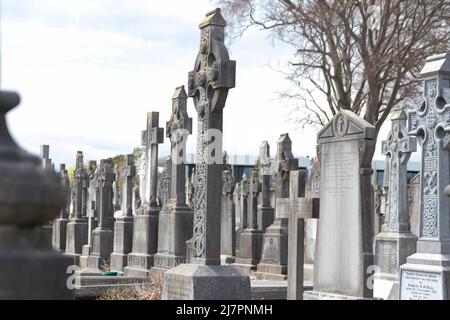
(243, 192)
(164, 182)
(251, 238)
(123, 227)
(301, 208)
(213, 76)
(103, 235)
(395, 242)
(273, 265)
(117, 192)
(175, 219)
(426, 273)
(265, 211)
(77, 228)
(29, 197)
(312, 192)
(145, 234)
(47, 229)
(59, 237)
(228, 216)
(345, 232)
(414, 204)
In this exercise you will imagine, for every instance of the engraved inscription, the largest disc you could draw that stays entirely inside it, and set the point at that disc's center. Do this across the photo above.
(416, 285)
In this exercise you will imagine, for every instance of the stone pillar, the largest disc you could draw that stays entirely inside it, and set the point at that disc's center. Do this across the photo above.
(103, 235)
(123, 227)
(243, 191)
(430, 266)
(213, 76)
(29, 197)
(228, 214)
(265, 211)
(47, 229)
(175, 219)
(273, 263)
(395, 242)
(145, 234)
(345, 227)
(77, 228)
(59, 236)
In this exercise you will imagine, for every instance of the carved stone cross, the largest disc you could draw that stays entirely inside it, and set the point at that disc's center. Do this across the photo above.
(431, 123)
(129, 174)
(398, 148)
(208, 85)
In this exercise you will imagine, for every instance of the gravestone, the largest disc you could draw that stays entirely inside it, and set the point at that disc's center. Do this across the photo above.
(163, 190)
(265, 211)
(228, 214)
(47, 229)
(273, 265)
(59, 236)
(117, 191)
(301, 208)
(414, 204)
(243, 190)
(251, 238)
(343, 253)
(426, 274)
(145, 234)
(213, 76)
(103, 235)
(311, 192)
(395, 242)
(77, 228)
(123, 227)
(29, 197)
(91, 210)
(175, 219)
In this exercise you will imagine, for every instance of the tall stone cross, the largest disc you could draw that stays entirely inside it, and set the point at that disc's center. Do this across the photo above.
(431, 123)
(130, 170)
(105, 183)
(397, 148)
(208, 85)
(255, 189)
(177, 130)
(151, 137)
(66, 183)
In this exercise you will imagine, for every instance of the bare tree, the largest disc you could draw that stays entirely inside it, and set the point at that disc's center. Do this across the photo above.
(361, 55)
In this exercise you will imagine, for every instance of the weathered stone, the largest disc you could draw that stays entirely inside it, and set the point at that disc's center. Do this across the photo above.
(265, 211)
(29, 197)
(228, 214)
(395, 243)
(103, 235)
(47, 229)
(77, 228)
(213, 76)
(175, 219)
(123, 227)
(345, 232)
(273, 265)
(59, 237)
(425, 274)
(145, 234)
(414, 204)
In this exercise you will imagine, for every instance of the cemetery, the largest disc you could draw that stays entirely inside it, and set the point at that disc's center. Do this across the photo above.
(334, 225)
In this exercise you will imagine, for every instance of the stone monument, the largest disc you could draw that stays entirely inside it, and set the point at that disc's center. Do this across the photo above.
(123, 227)
(213, 76)
(145, 234)
(59, 237)
(395, 242)
(345, 233)
(228, 216)
(426, 273)
(175, 219)
(265, 211)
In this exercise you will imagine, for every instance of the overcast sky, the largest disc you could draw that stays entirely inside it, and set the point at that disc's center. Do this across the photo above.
(88, 71)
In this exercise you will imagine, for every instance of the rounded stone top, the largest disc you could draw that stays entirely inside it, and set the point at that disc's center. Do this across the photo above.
(29, 195)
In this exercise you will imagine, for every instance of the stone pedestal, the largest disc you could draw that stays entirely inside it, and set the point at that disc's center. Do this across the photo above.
(250, 250)
(77, 236)
(59, 236)
(123, 243)
(102, 246)
(199, 282)
(175, 229)
(391, 251)
(85, 253)
(145, 237)
(273, 265)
